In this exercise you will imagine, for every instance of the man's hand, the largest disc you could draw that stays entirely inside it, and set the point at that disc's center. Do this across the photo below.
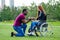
(29, 19)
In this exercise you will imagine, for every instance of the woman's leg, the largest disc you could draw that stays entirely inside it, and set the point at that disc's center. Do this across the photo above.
(33, 25)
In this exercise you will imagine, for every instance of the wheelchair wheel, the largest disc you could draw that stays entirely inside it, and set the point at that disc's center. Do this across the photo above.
(46, 29)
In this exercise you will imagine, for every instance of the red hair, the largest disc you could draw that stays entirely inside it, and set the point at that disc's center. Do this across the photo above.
(40, 8)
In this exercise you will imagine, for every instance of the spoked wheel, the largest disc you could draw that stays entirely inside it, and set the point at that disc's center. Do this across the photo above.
(46, 29)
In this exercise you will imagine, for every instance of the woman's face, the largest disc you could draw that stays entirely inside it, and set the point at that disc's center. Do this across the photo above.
(40, 8)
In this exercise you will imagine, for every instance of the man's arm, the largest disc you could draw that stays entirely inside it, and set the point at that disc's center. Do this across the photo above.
(25, 21)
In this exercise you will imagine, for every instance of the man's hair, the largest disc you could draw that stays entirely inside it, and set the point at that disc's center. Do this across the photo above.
(24, 10)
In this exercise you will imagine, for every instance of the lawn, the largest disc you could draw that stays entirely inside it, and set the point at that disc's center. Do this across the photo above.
(6, 28)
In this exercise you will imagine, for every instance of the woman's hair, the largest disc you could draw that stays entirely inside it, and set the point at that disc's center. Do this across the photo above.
(41, 9)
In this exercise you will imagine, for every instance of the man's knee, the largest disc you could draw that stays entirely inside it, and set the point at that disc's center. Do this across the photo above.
(25, 25)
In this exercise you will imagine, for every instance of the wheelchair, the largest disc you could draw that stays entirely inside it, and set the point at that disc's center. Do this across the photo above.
(45, 29)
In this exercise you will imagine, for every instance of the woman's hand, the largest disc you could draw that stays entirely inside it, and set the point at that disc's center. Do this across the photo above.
(31, 18)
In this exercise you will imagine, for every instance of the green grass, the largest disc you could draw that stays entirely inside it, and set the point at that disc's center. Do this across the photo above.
(6, 28)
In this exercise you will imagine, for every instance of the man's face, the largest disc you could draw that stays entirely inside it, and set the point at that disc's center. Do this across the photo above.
(25, 12)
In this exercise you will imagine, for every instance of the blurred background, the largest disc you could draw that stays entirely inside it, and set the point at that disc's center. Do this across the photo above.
(9, 9)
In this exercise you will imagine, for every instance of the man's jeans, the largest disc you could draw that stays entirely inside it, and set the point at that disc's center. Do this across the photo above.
(20, 30)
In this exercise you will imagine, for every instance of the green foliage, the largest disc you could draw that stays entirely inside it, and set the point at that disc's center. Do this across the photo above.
(51, 8)
(8, 13)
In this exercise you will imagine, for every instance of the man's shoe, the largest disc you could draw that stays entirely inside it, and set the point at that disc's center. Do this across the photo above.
(12, 34)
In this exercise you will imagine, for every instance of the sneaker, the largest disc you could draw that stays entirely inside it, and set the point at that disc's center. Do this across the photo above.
(31, 34)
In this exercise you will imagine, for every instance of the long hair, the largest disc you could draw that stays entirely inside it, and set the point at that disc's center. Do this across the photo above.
(40, 8)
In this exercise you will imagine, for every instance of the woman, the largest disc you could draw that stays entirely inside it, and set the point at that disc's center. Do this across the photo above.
(41, 17)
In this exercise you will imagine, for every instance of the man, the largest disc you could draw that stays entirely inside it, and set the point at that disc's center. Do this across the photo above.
(20, 24)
